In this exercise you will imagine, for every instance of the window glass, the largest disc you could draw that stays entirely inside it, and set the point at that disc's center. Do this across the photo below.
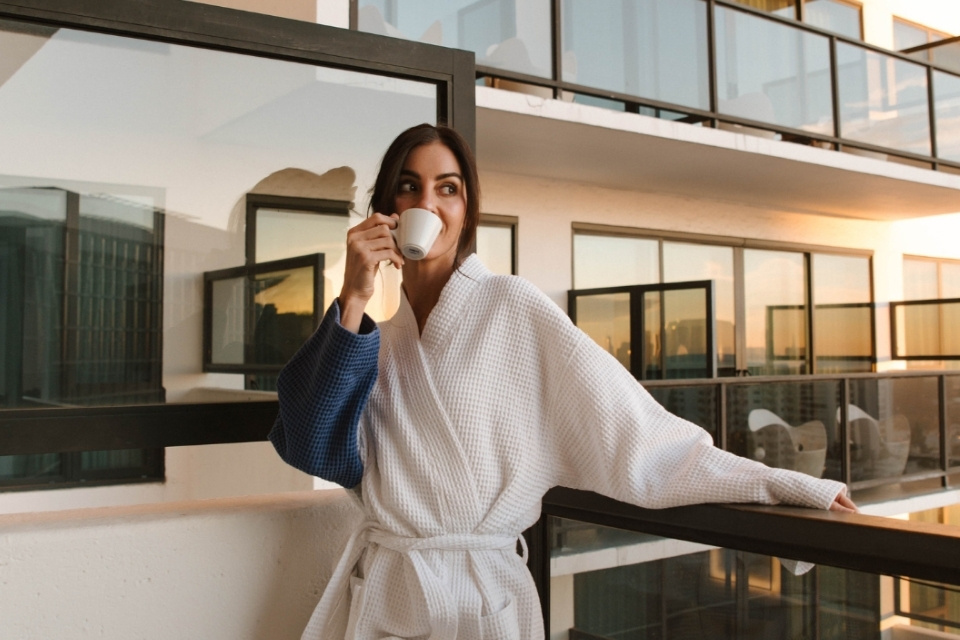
(835, 16)
(685, 262)
(920, 280)
(495, 247)
(649, 48)
(776, 314)
(785, 8)
(136, 157)
(788, 86)
(612, 261)
(907, 36)
(950, 279)
(506, 34)
(843, 320)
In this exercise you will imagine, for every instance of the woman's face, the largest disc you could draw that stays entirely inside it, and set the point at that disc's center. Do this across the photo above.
(431, 179)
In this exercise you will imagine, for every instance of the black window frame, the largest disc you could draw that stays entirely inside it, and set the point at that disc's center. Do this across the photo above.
(96, 428)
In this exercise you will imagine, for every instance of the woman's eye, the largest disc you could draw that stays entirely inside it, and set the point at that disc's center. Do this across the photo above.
(406, 187)
(448, 189)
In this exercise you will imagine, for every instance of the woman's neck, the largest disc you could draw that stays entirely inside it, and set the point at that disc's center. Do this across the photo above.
(423, 282)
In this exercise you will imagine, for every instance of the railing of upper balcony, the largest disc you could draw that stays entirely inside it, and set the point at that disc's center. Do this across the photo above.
(707, 62)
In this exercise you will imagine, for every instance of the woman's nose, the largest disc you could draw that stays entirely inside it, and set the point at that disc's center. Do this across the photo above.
(427, 201)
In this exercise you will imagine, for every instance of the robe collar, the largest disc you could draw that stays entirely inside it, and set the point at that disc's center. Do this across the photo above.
(449, 308)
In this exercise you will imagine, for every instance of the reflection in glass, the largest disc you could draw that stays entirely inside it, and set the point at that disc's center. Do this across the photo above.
(607, 583)
(776, 317)
(783, 8)
(495, 247)
(928, 330)
(789, 85)
(685, 335)
(685, 262)
(606, 319)
(286, 234)
(842, 313)
(696, 404)
(907, 36)
(612, 261)
(946, 96)
(883, 100)
(649, 48)
(161, 193)
(833, 15)
(259, 316)
(894, 427)
(952, 401)
(507, 34)
(787, 425)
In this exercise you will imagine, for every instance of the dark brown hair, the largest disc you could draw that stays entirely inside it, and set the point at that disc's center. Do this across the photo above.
(388, 179)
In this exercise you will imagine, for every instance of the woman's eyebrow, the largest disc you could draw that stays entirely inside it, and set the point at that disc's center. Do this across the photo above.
(442, 176)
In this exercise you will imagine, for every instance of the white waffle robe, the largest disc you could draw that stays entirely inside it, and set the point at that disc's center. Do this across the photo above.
(467, 426)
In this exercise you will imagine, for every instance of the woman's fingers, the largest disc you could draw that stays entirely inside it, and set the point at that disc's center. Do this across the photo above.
(368, 244)
(844, 504)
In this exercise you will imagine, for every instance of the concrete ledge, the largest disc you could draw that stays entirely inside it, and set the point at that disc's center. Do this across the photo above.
(232, 568)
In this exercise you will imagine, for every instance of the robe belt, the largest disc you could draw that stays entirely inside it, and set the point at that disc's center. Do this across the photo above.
(440, 604)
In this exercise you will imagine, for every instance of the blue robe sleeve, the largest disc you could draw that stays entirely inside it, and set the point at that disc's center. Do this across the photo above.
(322, 392)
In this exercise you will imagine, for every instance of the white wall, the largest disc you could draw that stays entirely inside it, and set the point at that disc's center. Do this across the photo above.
(237, 569)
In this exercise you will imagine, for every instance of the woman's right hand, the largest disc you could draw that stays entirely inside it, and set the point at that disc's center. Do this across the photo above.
(368, 244)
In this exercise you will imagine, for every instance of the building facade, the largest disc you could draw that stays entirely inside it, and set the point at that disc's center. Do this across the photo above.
(802, 157)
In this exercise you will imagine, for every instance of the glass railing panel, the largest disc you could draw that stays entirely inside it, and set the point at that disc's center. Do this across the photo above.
(698, 404)
(790, 425)
(655, 49)
(946, 55)
(789, 85)
(606, 319)
(893, 427)
(609, 584)
(946, 96)
(509, 35)
(952, 400)
(883, 100)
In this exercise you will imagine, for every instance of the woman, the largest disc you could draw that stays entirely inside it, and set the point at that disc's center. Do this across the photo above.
(459, 413)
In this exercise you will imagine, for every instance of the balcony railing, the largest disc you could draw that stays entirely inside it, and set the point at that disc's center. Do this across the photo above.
(607, 570)
(866, 430)
(708, 62)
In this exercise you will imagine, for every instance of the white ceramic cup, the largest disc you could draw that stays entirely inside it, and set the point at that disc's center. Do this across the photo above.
(416, 233)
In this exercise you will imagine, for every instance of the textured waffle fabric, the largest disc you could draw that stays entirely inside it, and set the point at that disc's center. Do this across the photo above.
(465, 428)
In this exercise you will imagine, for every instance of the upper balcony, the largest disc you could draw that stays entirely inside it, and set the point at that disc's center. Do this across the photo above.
(876, 134)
